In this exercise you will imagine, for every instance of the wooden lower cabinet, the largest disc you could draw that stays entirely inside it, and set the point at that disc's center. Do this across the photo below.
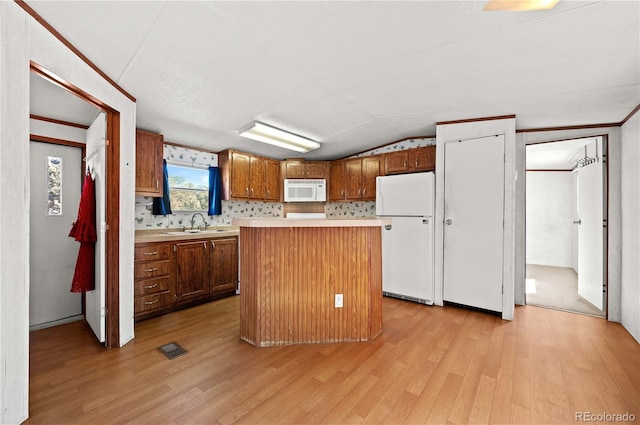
(153, 284)
(206, 267)
(223, 265)
(173, 275)
(192, 269)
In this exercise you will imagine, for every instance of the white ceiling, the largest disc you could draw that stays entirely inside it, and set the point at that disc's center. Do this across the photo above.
(557, 155)
(352, 75)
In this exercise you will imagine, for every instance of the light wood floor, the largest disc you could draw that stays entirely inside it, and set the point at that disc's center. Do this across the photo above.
(431, 365)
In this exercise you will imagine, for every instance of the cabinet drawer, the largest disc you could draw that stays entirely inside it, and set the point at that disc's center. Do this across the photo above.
(152, 252)
(151, 286)
(151, 269)
(152, 302)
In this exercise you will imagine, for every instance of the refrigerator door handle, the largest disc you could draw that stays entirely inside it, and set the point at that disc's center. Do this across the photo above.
(425, 221)
(387, 227)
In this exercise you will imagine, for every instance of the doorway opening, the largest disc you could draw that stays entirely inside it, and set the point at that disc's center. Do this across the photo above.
(101, 307)
(566, 216)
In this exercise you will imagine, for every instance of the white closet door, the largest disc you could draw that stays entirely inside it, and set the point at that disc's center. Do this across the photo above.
(95, 307)
(590, 237)
(473, 222)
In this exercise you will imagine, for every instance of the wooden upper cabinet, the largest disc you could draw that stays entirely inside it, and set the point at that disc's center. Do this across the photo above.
(360, 178)
(301, 169)
(257, 175)
(410, 160)
(149, 178)
(396, 162)
(272, 180)
(245, 176)
(316, 169)
(422, 159)
(353, 179)
(370, 171)
(294, 169)
(336, 181)
(240, 166)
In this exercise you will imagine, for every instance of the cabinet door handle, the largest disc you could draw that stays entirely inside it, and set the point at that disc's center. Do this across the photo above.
(150, 302)
(157, 184)
(364, 192)
(205, 245)
(155, 269)
(359, 192)
(246, 189)
(416, 163)
(252, 191)
(341, 192)
(151, 253)
(405, 164)
(151, 286)
(213, 245)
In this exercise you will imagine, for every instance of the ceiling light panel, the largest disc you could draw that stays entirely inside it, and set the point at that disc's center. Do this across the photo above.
(277, 137)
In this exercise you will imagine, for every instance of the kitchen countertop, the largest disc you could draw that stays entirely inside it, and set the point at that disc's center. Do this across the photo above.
(162, 235)
(312, 222)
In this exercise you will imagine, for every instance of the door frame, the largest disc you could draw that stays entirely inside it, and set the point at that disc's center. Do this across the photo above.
(471, 129)
(605, 204)
(112, 208)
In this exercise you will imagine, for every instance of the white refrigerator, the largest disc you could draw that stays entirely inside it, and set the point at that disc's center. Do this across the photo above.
(407, 244)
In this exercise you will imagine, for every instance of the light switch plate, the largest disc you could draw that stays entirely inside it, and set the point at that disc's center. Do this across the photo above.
(339, 301)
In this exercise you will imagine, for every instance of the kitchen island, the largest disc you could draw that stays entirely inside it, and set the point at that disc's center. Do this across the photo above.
(295, 272)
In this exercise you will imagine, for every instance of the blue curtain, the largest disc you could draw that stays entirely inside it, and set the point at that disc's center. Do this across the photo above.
(162, 206)
(215, 191)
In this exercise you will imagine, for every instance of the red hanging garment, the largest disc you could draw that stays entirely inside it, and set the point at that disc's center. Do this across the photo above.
(84, 231)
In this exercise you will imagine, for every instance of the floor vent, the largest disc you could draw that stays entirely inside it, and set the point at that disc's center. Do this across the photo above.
(172, 350)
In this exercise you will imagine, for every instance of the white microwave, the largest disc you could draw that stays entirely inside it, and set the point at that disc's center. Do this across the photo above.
(305, 190)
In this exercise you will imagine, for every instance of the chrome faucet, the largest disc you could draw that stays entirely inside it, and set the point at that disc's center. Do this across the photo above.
(193, 221)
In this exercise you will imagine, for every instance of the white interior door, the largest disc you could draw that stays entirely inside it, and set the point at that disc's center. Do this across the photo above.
(590, 234)
(574, 217)
(52, 253)
(95, 308)
(473, 222)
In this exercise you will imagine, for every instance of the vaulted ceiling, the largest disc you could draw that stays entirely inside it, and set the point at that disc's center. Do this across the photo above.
(351, 75)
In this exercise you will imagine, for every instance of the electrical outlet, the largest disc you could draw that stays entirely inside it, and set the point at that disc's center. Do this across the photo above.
(339, 300)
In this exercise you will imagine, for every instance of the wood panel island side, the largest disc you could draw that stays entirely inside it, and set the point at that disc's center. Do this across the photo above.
(291, 271)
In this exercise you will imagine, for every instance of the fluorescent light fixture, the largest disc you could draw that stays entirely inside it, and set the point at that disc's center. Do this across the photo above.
(274, 136)
(520, 5)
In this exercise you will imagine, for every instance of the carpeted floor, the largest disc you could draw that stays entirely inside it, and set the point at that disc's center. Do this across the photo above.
(557, 287)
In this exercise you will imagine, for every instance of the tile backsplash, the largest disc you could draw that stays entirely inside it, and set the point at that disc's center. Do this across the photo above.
(231, 209)
(350, 209)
